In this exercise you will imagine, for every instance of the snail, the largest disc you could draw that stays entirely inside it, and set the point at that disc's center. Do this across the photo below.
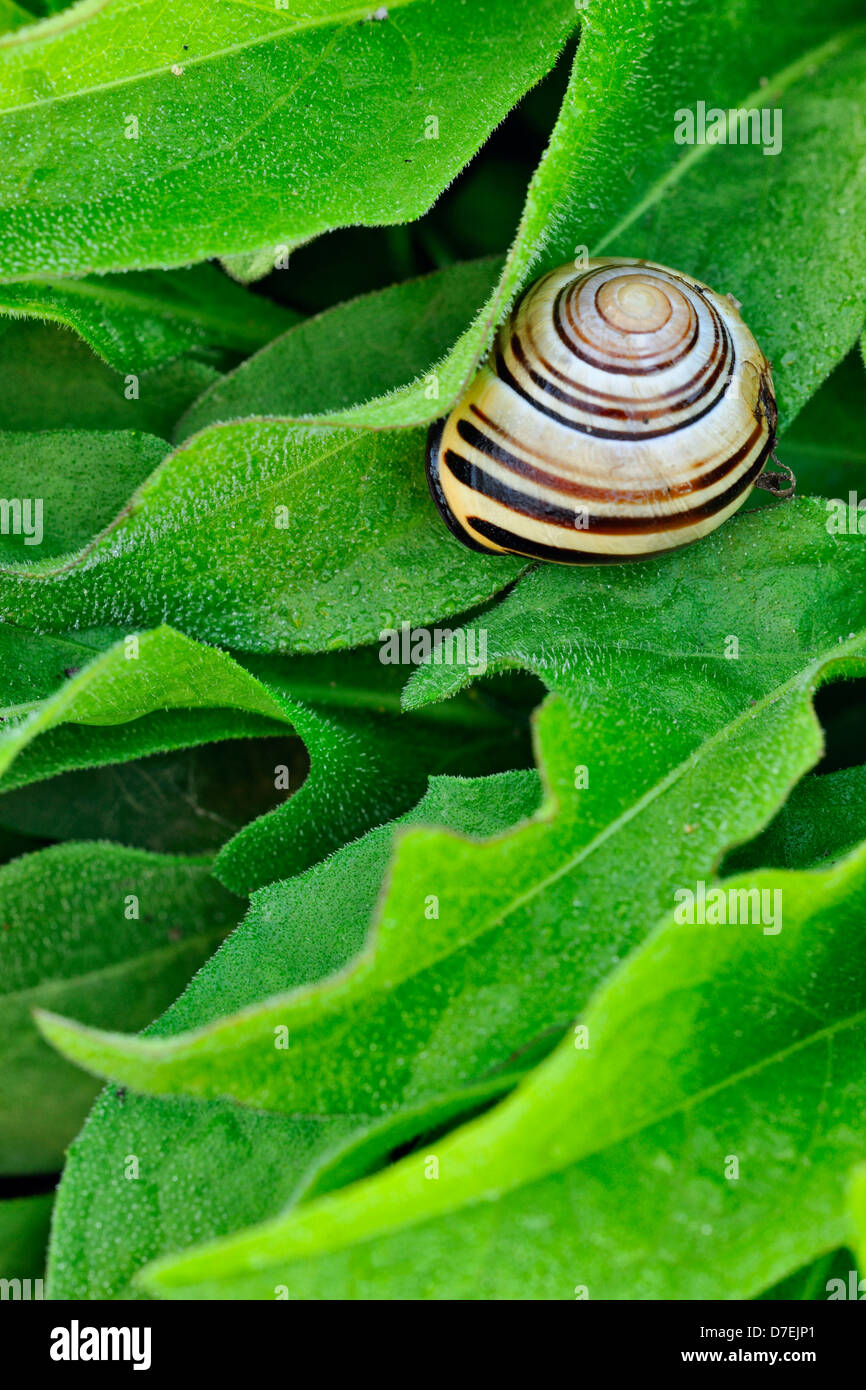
(625, 410)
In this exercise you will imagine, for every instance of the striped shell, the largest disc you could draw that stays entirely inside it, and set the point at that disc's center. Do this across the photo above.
(625, 410)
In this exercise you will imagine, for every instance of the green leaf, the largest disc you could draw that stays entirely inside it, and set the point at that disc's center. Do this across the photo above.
(806, 311)
(32, 667)
(825, 446)
(47, 375)
(191, 1151)
(138, 322)
(189, 801)
(813, 1282)
(13, 16)
(63, 508)
(375, 999)
(112, 933)
(268, 535)
(40, 8)
(266, 586)
(252, 124)
(653, 766)
(362, 547)
(773, 579)
(205, 1170)
(857, 1201)
(118, 705)
(370, 1150)
(115, 695)
(248, 266)
(48, 686)
(24, 1224)
(604, 1160)
(365, 769)
(308, 927)
(614, 180)
(824, 818)
(317, 366)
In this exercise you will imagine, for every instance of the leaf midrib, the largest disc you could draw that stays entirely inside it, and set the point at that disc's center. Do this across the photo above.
(406, 1217)
(235, 1032)
(800, 680)
(659, 1116)
(343, 20)
(776, 85)
(84, 559)
(522, 257)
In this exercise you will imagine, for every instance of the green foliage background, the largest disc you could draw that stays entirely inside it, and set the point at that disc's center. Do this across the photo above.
(417, 1020)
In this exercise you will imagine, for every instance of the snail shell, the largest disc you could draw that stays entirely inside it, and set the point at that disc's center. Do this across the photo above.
(625, 410)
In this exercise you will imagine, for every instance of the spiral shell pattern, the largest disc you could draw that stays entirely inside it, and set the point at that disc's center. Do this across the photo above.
(625, 410)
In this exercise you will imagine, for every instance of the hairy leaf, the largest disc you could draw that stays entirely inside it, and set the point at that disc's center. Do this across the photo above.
(163, 134)
(614, 180)
(825, 447)
(806, 311)
(213, 1167)
(158, 691)
(110, 932)
(24, 1223)
(50, 476)
(138, 322)
(188, 801)
(658, 752)
(48, 376)
(824, 818)
(607, 1172)
(121, 697)
(268, 535)
(349, 353)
